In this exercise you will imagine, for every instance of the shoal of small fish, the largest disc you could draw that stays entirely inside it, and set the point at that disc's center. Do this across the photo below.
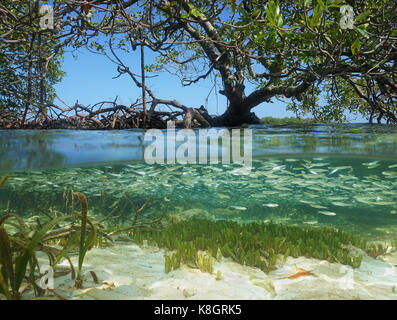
(315, 183)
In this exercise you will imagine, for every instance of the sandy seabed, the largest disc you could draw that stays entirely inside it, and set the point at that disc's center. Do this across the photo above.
(129, 271)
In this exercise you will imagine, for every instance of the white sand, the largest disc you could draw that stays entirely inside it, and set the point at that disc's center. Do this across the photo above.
(127, 271)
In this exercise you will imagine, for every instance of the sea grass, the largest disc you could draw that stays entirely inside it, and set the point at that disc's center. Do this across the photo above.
(260, 245)
(4, 180)
(84, 212)
(86, 243)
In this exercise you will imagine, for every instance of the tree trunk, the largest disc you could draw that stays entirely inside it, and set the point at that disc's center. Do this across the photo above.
(143, 81)
(29, 77)
(236, 115)
(29, 97)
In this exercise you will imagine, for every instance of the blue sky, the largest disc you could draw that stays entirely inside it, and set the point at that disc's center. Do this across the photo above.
(89, 80)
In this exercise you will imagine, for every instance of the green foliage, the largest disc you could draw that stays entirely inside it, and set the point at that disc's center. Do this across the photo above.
(374, 250)
(85, 243)
(14, 272)
(18, 251)
(205, 263)
(6, 265)
(324, 104)
(293, 49)
(4, 180)
(287, 36)
(27, 78)
(265, 284)
(286, 121)
(21, 261)
(71, 243)
(273, 14)
(253, 244)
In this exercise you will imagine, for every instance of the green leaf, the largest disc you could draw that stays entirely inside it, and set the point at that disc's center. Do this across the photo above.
(4, 287)
(316, 18)
(83, 251)
(256, 13)
(266, 284)
(6, 267)
(22, 261)
(336, 4)
(363, 32)
(273, 13)
(195, 12)
(269, 15)
(356, 46)
(362, 16)
(72, 243)
(328, 38)
(4, 180)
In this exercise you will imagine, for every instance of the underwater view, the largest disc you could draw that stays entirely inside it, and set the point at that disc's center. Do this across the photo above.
(198, 157)
(315, 217)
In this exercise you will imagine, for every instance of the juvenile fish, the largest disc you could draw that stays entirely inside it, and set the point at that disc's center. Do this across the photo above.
(270, 205)
(327, 213)
(238, 208)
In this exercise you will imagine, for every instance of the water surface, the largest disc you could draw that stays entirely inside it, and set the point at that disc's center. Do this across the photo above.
(335, 175)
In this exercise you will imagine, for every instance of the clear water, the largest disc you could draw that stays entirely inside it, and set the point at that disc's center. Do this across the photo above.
(335, 175)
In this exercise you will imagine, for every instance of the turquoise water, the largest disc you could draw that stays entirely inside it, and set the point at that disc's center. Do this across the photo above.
(335, 175)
